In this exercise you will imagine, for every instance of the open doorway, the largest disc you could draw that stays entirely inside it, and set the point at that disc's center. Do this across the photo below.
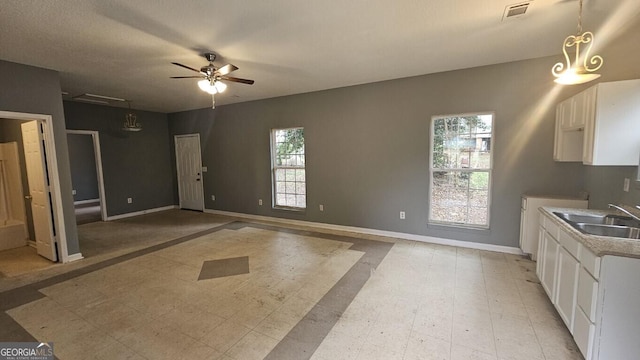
(41, 202)
(85, 161)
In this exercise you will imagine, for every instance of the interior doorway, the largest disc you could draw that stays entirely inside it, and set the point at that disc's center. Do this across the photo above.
(189, 168)
(85, 161)
(50, 194)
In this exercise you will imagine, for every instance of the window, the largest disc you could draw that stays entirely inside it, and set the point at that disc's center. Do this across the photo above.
(289, 183)
(460, 170)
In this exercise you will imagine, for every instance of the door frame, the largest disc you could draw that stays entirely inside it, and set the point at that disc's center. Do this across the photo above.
(95, 137)
(51, 160)
(175, 142)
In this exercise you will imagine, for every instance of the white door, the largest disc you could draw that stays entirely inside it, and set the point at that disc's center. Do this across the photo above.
(189, 165)
(39, 189)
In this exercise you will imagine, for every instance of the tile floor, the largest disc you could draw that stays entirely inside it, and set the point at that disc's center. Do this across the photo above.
(307, 295)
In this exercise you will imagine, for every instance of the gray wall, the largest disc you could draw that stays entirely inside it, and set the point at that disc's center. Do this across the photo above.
(10, 131)
(28, 89)
(368, 148)
(605, 184)
(83, 167)
(134, 164)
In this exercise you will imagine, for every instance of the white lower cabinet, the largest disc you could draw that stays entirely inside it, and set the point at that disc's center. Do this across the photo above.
(567, 286)
(549, 266)
(598, 298)
(583, 334)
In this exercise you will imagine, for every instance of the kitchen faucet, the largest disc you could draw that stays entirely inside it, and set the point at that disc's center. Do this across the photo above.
(621, 209)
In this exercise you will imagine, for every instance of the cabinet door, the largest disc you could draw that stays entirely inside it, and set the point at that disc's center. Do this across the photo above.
(564, 113)
(567, 287)
(589, 114)
(548, 278)
(580, 110)
(541, 257)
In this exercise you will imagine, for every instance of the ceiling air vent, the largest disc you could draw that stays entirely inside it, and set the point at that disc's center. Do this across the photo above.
(515, 10)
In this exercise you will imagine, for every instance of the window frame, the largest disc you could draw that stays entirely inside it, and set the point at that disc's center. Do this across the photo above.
(461, 225)
(274, 167)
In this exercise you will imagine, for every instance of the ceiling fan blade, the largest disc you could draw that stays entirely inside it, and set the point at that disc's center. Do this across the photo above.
(187, 67)
(238, 80)
(186, 77)
(227, 69)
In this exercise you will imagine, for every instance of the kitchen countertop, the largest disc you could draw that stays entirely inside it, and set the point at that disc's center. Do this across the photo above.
(599, 245)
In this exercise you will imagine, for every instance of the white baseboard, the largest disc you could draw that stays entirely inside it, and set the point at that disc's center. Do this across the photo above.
(74, 257)
(367, 231)
(138, 213)
(82, 202)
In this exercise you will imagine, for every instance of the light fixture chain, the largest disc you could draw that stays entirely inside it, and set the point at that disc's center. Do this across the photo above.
(580, 19)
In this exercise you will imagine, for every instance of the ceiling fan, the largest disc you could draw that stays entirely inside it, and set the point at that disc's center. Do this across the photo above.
(212, 76)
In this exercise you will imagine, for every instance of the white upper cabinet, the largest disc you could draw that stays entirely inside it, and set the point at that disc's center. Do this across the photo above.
(601, 125)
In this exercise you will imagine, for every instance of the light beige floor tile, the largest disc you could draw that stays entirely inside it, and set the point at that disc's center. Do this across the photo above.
(339, 345)
(253, 346)
(421, 347)
(115, 350)
(434, 324)
(461, 352)
(192, 321)
(156, 340)
(518, 349)
(473, 333)
(226, 335)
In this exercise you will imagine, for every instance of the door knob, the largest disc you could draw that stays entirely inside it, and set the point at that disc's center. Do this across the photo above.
(28, 197)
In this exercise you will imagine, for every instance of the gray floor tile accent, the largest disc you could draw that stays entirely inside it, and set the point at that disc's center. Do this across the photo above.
(213, 269)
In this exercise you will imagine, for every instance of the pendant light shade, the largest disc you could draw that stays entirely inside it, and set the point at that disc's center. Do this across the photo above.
(582, 67)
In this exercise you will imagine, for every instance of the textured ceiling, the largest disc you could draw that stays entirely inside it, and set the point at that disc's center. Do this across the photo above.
(125, 48)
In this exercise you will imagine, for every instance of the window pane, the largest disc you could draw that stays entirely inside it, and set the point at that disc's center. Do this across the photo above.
(288, 162)
(460, 145)
(290, 187)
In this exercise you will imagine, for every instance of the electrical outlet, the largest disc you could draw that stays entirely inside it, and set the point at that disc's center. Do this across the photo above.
(625, 187)
(204, 169)
(321, 207)
(260, 202)
(213, 198)
(129, 200)
(402, 215)
(73, 192)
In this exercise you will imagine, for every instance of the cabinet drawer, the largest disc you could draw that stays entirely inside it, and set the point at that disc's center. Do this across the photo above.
(583, 332)
(572, 245)
(587, 294)
(590, 262)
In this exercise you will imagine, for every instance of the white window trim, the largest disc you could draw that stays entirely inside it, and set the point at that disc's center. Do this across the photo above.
(274, 167)
(490, 171)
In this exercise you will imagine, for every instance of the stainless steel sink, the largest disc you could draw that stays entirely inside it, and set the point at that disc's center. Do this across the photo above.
(608, 230)
(598, 219)
(603, 225)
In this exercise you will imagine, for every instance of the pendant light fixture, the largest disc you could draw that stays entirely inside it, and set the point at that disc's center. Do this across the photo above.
(583, 68)
(130, 121)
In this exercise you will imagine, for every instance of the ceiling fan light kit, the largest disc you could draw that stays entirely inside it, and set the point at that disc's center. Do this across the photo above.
(584, 65)
(211, 77)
